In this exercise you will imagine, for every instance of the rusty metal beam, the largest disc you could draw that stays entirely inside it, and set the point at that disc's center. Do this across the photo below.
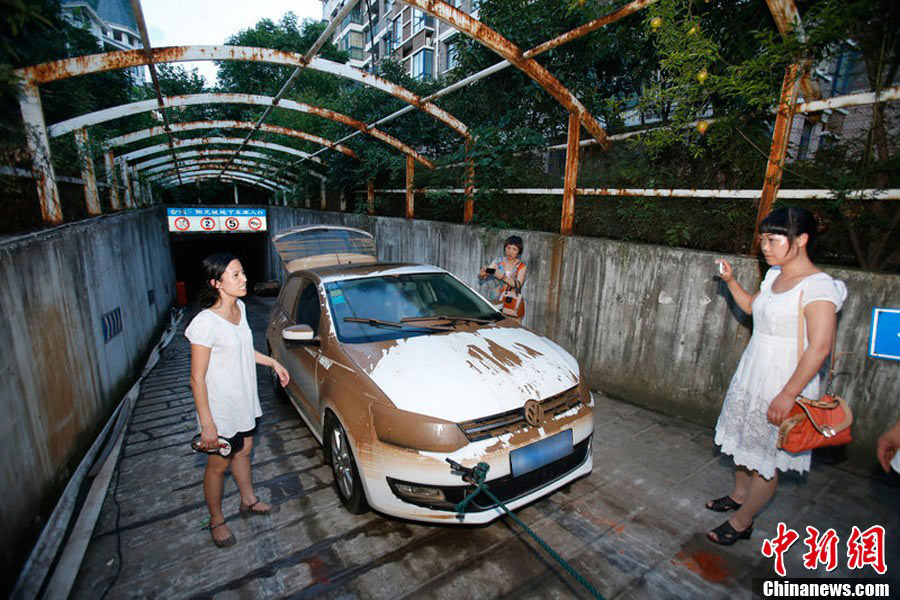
(590, 26)
(123, 59)
(787, 19)
(570, 181)
(819, 194)
(891, 94)
(38, 145)
(91, 194)
(410, 193)
(502, 46)
(154, 78)
(778, 151)
(469, 186)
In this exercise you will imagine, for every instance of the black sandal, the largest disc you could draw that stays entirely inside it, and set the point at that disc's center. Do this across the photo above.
(726, 535)
(723, 504)
(246, 510)
(229, 541)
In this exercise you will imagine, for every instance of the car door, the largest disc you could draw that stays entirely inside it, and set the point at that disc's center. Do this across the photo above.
(302, 360)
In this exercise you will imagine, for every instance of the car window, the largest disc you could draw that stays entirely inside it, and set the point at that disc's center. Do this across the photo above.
(392, 298)
(308, 306)
(288, 296)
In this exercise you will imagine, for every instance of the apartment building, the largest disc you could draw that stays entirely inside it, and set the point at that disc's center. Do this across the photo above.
(111, 21)
(379, 29)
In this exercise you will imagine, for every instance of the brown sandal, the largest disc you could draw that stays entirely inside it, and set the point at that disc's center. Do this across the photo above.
(229, 541)
(247, 511)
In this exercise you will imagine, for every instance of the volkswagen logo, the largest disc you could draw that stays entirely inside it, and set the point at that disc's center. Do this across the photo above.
(534, 413)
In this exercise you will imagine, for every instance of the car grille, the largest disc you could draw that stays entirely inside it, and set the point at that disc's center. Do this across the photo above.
(514, 420)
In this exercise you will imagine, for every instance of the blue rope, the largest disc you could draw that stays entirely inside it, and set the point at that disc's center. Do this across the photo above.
(476, 476)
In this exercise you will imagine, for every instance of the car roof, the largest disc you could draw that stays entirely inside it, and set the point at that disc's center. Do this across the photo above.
(331, 273)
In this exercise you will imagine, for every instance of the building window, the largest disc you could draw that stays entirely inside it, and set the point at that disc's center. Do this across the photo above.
(843, 73)
(422, 65)
(805, 135)
(420, 21)
(355, 16)
(353, 43)
(451, 56)
(397, 32)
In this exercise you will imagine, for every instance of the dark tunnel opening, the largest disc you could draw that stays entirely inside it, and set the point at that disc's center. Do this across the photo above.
(189, 250)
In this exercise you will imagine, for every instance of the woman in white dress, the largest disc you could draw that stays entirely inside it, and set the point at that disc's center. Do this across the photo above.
(769, 376)
(223, 379)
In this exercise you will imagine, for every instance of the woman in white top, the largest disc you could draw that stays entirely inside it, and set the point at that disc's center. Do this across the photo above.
(223, 379)
(769, 376)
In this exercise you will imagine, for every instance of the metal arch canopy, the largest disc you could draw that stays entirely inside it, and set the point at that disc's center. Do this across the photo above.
(227, 177)
(261, 158)
(233, 168)
(124, 110)
(205, 141)
(486, 36)
(136, 136)
(230, 172)
(264, 168)
(123, 59)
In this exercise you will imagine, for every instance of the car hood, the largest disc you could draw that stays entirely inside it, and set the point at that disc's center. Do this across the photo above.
(467, 375)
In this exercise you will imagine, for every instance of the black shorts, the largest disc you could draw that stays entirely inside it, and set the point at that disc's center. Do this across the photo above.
(237, 440)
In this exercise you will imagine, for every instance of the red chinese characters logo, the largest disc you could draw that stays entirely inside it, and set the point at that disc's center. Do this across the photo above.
(821, 551)
(778, 545)
(866, 548)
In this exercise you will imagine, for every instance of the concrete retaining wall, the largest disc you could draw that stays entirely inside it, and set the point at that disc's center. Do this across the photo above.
(60, 379)
(648, 324)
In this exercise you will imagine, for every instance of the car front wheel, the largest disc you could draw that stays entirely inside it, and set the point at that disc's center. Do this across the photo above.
(343, 466)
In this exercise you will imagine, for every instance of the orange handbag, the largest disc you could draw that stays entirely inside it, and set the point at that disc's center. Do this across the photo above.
(816, 423)
(513, 304)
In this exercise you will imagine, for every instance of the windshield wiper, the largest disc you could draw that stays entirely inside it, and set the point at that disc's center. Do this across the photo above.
(446, 318)
(381, 323)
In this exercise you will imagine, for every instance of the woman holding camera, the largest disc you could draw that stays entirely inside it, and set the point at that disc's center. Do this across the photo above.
(223, 380)
(507, 273)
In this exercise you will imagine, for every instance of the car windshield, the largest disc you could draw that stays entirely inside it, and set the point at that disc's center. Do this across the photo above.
(393, 298)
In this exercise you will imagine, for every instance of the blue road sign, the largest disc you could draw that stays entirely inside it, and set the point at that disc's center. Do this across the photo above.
(884, 341)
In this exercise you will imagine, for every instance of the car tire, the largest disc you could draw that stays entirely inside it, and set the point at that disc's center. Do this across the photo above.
(339, 455)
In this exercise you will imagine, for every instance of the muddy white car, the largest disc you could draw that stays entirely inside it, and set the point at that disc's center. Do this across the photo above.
(397, 367)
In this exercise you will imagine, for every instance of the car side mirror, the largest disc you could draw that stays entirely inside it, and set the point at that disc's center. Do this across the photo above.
(299, 334)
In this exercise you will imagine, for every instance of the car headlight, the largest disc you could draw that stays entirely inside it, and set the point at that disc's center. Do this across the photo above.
(415, 431)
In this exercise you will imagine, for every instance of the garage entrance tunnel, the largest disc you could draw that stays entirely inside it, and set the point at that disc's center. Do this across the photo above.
(197, 232)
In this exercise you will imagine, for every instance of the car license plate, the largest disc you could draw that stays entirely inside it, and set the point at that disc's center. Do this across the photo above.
(536, 455)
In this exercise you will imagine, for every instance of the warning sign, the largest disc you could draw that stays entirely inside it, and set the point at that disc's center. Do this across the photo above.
(216, 220)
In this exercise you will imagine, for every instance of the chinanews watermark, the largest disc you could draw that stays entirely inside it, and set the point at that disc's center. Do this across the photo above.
(823, 552)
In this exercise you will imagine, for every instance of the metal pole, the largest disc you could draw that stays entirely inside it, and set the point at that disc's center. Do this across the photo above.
(234, 185)
(135, 187)
(91, 195)
(469, 186)
(109, 160)
(410, 174)
(126, 183)
(343, 201)
(370, 197)
(39, 149)
(777, 153)
(571, 177)
(323, 204)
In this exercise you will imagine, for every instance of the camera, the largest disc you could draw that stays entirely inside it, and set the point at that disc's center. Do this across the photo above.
(490, 270)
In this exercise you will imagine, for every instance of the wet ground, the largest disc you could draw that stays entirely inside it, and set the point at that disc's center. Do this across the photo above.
(634, 528)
